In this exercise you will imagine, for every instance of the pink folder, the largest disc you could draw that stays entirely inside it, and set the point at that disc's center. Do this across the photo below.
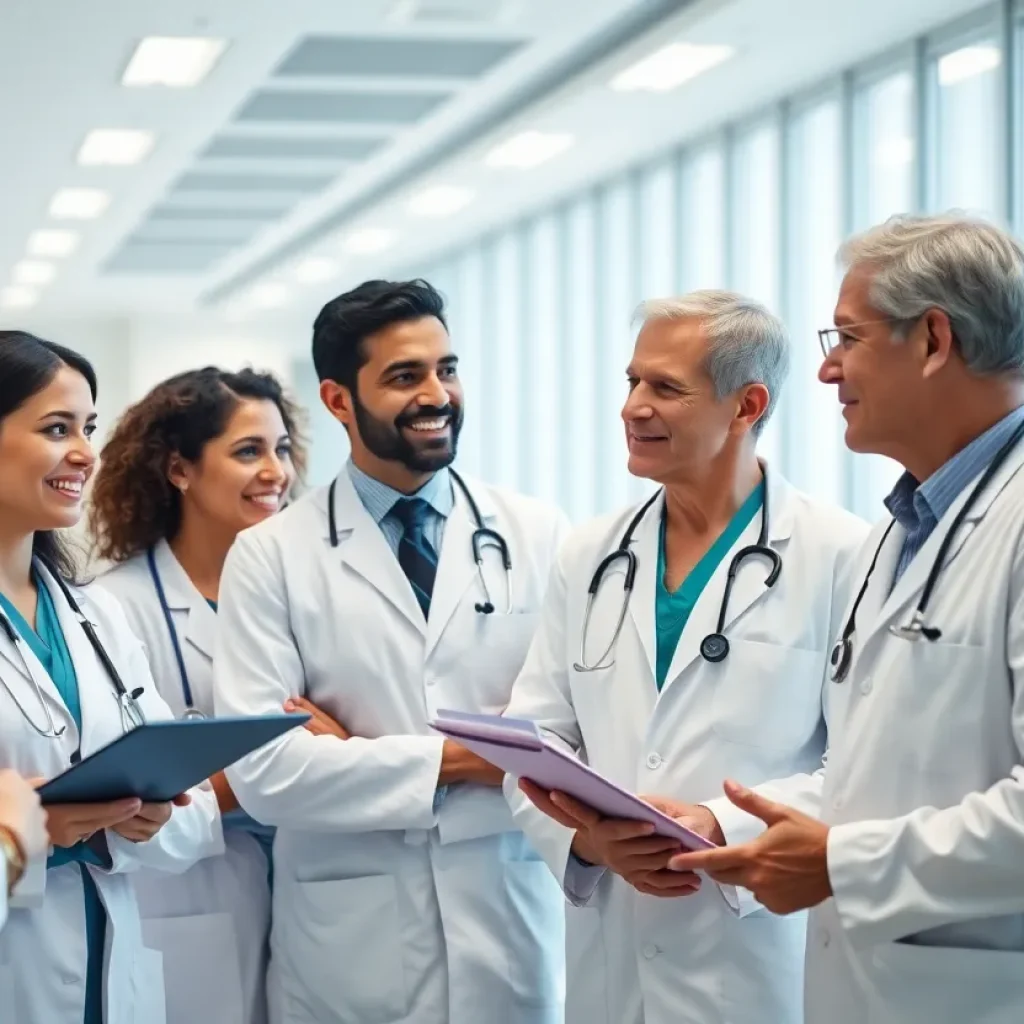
(516, 746)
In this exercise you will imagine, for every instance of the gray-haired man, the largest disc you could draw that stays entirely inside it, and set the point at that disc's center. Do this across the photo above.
(664, 713)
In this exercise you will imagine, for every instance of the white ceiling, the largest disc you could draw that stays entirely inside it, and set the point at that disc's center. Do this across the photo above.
(293, 139)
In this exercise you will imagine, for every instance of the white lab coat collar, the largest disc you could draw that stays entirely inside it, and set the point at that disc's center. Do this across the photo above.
(363, 548)
(748, 588)
(880, 607)
(182, 596)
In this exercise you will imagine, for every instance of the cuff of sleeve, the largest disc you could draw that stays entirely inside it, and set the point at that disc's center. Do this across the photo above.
(738, 827)
(580, 880)
(852, 858)
(29, 891)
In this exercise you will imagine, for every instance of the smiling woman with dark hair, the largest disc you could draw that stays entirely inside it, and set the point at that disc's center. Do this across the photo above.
(205, 455)
(73, 678)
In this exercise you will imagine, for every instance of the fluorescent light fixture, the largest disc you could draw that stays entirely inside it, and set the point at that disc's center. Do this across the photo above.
(79, 203)
(670, 67)
(178, 62)
(369, 240)
(270, 295)
(969, 62)
(529, 149)
(114, 147)
(54, 243)
(315, 269)
(33, 272)
(440, 201)
(18, 298)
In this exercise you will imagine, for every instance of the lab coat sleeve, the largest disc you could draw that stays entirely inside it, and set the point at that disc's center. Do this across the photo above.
(302, 781)
(193, 832)
(930, 868)
(541, 693)
(801, 791)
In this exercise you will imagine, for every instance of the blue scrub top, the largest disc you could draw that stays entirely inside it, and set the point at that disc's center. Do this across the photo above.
(47, 643)
(672, 609)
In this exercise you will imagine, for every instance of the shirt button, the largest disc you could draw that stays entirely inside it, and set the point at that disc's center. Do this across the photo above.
(650, 952)
(654, 761)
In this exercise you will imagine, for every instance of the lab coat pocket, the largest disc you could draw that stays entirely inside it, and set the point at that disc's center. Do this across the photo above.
(148, 983)
(944, 985)
(347, 947)
(768, 695)
(202, 975)
(495, 657)
(535, 935)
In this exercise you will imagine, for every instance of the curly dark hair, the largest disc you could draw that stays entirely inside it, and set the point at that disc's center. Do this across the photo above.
(134, 505)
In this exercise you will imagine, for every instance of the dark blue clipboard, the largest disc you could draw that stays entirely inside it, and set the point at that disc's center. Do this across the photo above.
(159, 760)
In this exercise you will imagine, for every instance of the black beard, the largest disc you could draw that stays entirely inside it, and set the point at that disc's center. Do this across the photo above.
(387, 442)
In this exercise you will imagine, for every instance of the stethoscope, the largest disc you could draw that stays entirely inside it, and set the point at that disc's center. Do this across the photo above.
(191, 711)
(483, 537)
(127, 700)
(715, 646)
(841, 656)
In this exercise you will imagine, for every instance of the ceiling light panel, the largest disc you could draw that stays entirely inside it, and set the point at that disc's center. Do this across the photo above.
(18, 298)
(671, 66)
(529, 149)
(33, 272)
(174, 62)
(369, 240)
(53, 243)
(315, 270)
(79, 203)
(115, 147)
(440, 201)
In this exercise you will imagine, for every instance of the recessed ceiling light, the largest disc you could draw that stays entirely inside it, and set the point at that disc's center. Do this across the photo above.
(115, 147)
(315, 269)
(529, 149)
(18, 298)
(52, 242)
(33, 272)
(79, 203)
(369, 240)
(269, 295)
(670, 67)
(968, 62)
(176, 62)
(440, 201)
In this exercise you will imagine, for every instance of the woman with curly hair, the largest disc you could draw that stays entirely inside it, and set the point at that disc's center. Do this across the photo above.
(204, 455)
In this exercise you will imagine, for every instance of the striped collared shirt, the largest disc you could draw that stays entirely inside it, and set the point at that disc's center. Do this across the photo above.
(918, 508)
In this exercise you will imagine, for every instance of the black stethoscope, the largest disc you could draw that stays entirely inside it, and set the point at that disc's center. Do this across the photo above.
(715, 646)
(191, 711)
(483, 537)
(842, 651)
(127, 700)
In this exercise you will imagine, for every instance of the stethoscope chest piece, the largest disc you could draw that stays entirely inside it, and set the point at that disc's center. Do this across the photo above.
(714, 647)
(840, 658)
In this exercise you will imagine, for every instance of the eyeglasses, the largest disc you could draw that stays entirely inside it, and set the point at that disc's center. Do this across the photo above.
(831, 337)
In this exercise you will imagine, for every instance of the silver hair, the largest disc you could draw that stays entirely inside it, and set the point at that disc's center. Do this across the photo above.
(970, 269)
(746, 343)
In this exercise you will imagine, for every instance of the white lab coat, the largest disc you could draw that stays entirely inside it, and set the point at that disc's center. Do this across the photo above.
(924, 787)
(385, 909)
(757, 715)
(212, 923)
(42, 948)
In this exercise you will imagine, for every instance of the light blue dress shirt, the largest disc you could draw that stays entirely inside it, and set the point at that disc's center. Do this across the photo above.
(918, 507)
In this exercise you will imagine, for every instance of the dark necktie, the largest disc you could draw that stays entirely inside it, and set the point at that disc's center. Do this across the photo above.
(415, 554)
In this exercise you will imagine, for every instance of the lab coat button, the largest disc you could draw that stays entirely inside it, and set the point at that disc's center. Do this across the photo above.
(837, 802)
(654, 761)
(67, 978)
(824, 938)
(865, 687)
(431, 681)
(650, 952)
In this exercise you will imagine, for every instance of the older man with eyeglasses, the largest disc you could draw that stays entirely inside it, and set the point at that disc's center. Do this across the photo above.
(916, 869)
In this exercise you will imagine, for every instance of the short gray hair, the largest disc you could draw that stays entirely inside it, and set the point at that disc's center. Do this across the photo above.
(970, 269)
(746, 343)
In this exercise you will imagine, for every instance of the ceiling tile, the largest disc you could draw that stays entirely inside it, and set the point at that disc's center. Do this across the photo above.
(336, 107)
(278, 148)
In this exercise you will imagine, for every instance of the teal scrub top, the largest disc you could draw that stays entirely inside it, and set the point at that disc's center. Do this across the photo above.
(47, 643)
(672, 609)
